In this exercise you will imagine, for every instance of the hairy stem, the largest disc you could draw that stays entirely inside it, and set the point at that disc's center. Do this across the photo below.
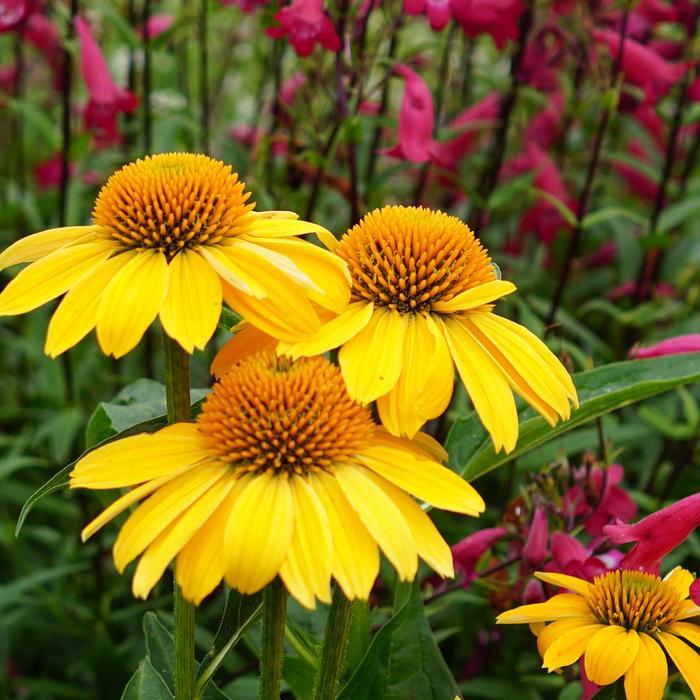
(272, 656)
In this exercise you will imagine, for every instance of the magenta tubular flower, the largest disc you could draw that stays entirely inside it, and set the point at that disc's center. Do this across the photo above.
(671, 346)
(656, 11)
(107, 99)
(48, 172)
(39, 31)
(306, 24)
(545, 126)
(468, 551)
(158, 24)
(657, 534)
(416, 119)
(613, 502)
(641, 66)
(536, 548)
(439, 11)
(695, 591)
(499, 18)
(13, 13)
(571, 557)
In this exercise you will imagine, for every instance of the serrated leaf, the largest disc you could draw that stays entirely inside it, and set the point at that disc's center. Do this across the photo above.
(160, 648)
(146, 684)
(600, 391)
(403, 660)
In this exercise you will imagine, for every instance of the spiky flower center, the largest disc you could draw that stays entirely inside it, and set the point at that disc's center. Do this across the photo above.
(271, 413)
(408, 258)
(634, 600)
(172, 201)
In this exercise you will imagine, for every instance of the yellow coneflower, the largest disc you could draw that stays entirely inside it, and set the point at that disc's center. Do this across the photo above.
(421, 303)
(283, 473)
(621, 624)
(172, 234)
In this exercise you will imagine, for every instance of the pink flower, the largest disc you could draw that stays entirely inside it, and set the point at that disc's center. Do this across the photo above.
(40, 31)
(641, 66)
(246, 5)
(305, 23)
(569, 556)
(13, 13)
(107, 99)
(657, 534)
(545, 126)
(670, 346)
(695, 591)
(468, 551)
(534, 592)
(439, 11)
(656, 11)
(416, 119)
(48, 172)
(535, 550)
(499, 18)
(612, 500)
(157, 25)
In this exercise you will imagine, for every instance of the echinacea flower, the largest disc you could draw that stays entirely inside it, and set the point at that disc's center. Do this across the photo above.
(171, 235)
(620, 624)
(283, 473)
(423, 289)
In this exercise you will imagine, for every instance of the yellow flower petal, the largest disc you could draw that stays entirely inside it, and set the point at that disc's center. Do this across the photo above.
(306, 571)
(191, 310)
(609, 654)
(688, 630)
(557, 607)
(139, 458)
(381, 517)
(431, 546)
(164, 507)
(38, 245)
(553, 631)
(573, 583)
(355, 553)
(247, 341)
(476, 296)
(486, 384)
(76, 315)
(334, 333)
(165, 547)
(279, 227)
(423, 478)
(259, 531)
(327, 271)
(200, 564)
(232, 271)
(647, 676)
(372, 361)
(681, 579)
(131, 301)
(688, 609)
(686, 659)
(569, 646)
(50, 277)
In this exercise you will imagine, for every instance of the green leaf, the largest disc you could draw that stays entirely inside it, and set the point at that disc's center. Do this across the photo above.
(676, 214)
(403, 660)
(140, 402)
(160, 648)
(611, 213)
(11, 593)
(146, 684)
(57, 482)
(600, 391)
(240, 612)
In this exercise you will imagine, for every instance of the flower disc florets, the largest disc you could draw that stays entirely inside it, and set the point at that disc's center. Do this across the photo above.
(172, 201)
(269, 413)
(408, 258)
(634, 600)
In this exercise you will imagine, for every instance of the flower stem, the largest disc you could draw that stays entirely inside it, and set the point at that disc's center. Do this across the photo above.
(335, 641)
(177, 395)
(272, 656)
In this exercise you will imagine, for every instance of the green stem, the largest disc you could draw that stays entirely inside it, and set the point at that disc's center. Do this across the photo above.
(335, 642)
(272, 656)
(177, 395)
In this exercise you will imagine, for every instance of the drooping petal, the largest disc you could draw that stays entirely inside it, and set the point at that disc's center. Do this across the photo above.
(139, 458)
(486, 385)
(381, 517)
(76, 315)
(131, 301)
(306, 571)
(233, 272)
(39, 245)
(577, 585)
(569, 647)
(282, 227)
(247, 341)
(259, 532)
(476, 296)
(164, 507)
(334, 333)
(687, 630)
(557, 607)
(372, 361)
(681, 579)
(431, 546)
(686, 659)
(355, 553)
(422, 444)
(50, 277)
(646, 677)
(165, 547)
(192, 306)
(609, 653)
(423, 478)
(550, 633)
